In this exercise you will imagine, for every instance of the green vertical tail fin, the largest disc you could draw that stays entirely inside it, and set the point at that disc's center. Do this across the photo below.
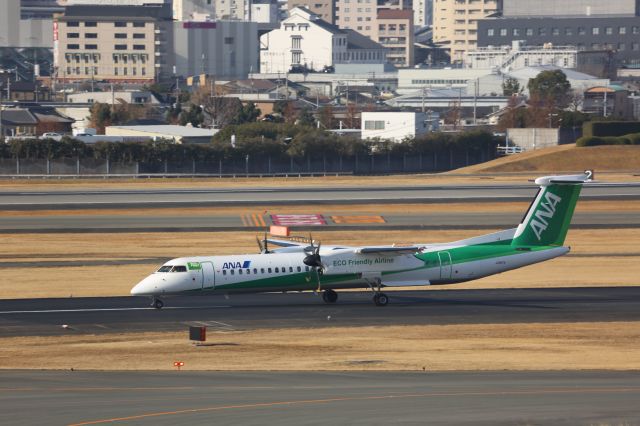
(548, 218)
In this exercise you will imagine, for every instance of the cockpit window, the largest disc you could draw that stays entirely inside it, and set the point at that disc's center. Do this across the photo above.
(179, 268)
(165, 268)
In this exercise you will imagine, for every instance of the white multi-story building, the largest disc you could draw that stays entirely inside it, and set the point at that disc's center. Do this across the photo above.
(193, 10)
(305, 40)
(516, 56)
(395, 126)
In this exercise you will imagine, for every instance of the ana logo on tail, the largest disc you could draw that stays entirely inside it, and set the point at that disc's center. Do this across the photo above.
(546, 211)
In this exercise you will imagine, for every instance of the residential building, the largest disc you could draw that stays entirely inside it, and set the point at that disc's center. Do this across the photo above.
(362, 15)
(395, 32)
(306, 42)
(23, 91)
(179, 134)
(33, 121)
(223, 49)
(232, 9)
(265, 11)
(193, 10)
(115, 97)
(522, 8)
(422, 13)
(394, 126)
(455, 24)
(114, 43)
(326, 9)
(592, 33)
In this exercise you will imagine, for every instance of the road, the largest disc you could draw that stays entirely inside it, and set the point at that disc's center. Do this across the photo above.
(308, 398)
(251, 311)
(82, 199)
(196, 222)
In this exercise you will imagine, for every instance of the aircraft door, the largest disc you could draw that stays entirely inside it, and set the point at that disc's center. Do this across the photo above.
(208, 276)
(445, 265)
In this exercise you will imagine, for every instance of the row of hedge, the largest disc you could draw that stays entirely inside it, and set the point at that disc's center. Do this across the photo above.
(610, 128)
(305, 143)
(630, 139)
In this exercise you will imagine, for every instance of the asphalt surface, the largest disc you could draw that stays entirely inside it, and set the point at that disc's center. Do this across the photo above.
(276, 310)
(194, 222)
(301, 398)
(80, 199)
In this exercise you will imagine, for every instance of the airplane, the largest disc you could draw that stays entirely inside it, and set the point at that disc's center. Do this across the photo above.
(304, 265)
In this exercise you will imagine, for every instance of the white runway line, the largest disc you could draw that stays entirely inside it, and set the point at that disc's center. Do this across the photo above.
(51, 311)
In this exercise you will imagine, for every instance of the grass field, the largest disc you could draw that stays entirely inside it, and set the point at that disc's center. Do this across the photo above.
(566, 346)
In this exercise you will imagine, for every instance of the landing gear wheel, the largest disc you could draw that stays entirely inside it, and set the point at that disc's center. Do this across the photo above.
(380, 299)
(329, 296)
(157, 303)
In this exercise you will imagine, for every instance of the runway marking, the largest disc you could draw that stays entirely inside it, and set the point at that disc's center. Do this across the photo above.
(253, 219)
(357, 398)
(297, 219)
(52, 311)
(357, 219)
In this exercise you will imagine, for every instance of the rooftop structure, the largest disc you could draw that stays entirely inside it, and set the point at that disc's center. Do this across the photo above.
(180, 134)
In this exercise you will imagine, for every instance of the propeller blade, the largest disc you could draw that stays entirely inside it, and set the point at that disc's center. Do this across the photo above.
(266, 248)
(260, 244)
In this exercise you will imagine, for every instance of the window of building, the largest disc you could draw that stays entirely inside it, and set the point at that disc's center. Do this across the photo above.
(124, 71)
(91, 24)
(621, 46)
(125, 59)
(516, 31)
(138, 47)
(595, 30)
(635, 46)
(581, 31)
(73, 35)
(68, 70)
(120, 35)
(91, 46)
(374, 124)
(73, 24)
(139, 25)
(568, 31)
(119, 24)
(490, 32)
(91, 35)
(382, 27)
(635, 30)
(120, 47)
(503, 32)
(115, 71)
(86, 70)
(139, 35)
(608, 30)
(73, 46)
(392, 27)
(542, 31)
(296, 57)
(555, 31)
(295, 42)
(115, 59)
(228, 40)
(622, 30)
(529, 31)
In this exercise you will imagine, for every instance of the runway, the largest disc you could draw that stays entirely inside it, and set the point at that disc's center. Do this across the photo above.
(276, 310)
(82, 199)
(308, 398)
(196, 222)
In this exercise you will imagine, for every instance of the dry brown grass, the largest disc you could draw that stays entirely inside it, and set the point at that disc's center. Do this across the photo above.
(110, 280)
(565, 158)
(565, 346)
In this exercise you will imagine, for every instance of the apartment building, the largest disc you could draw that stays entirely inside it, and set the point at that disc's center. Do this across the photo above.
(232, 9)
(422, 13)
(455, 24)
(395, 32)
(326, 9)
(114, 43)
(362, 15)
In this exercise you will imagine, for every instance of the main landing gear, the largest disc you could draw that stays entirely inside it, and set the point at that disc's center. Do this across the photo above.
(329, 296)
(379, 298)
(157, 303)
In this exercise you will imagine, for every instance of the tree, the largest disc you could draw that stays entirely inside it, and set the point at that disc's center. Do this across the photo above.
(247, 114)
(221, 111)
(100, 116)
(511, 86)
(193, 115)
(306, 118)
(515, 115)
(352, 117)
(551, 87)
(326, 116)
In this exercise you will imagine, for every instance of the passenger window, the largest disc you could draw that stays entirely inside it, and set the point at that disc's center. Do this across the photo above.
(299, 269)
(248, 271)
(224, 272)
(290, 268)
(232, 273)
(240, 271)
(255, 270)
(269, 270)
(284, 270)
(306, 268)
(262, 270)
(277, 270)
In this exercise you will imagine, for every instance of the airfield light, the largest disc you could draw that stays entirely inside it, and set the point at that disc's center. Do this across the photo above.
(178, 364)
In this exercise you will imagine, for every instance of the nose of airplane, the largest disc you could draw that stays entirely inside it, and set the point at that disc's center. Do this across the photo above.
(147, 286)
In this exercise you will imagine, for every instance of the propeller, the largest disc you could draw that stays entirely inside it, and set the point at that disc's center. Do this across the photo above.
(263, 248)
(313, 260)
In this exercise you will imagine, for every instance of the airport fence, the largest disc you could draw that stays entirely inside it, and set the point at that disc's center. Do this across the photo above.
(387, 163)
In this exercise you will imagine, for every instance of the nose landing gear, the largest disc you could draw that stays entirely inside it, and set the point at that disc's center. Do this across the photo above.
(157, 303)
